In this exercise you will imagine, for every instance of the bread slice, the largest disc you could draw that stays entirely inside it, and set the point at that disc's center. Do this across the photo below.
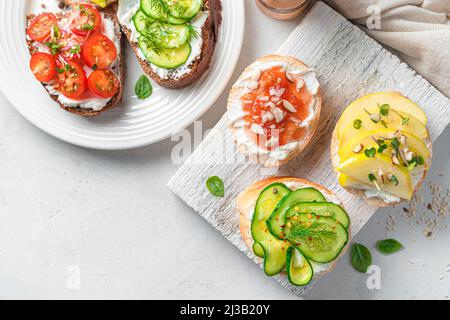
(246, 202)
(376, 202)
(238, 89)
(209, 34)
(109, 13)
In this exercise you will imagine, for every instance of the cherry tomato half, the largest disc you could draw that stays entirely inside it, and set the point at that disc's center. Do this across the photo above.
(103, 83)
(99, 51)
(72, 81)
(43, 66)
(40, 28)
(86, 19)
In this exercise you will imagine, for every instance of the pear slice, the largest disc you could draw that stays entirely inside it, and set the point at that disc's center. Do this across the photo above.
(361, 167)
(367, 139)
(370, 103)
(347, 181)
(393, 121)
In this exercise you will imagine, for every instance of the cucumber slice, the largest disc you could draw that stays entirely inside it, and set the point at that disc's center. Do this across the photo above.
(298, 275)
(274, 255)
(320, 239)
(184, 9)
(168, 35)
(157, 9)
(141, 21)
(326, 209)
(276, 220)
(167, 58)
(266, 203)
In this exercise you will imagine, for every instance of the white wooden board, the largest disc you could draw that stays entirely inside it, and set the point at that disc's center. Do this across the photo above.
(349, 64)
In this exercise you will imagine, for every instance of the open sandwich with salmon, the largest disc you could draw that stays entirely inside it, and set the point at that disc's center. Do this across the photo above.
(273, 109)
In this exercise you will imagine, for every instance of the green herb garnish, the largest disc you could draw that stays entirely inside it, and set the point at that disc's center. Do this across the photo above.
(389, 246)
(393, 178)
(420, 161)
(372, 177)
(314, 231)
(143, 88)
(75, 49)
(383, 123)
(395, 143)
(357, 124)
(412, 165)
(56, 32)
(87, 26)
(62, 70)
(370, 153)
(193, 33)
(159, 6)
(215, 186)
(405, 120)
(384, 109)
(361, 258)
(53, 46)
(382, 148)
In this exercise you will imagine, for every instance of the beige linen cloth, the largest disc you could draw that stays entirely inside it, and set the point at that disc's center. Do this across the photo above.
(417, 30)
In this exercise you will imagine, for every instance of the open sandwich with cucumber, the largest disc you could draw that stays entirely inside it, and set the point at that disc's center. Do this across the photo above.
(295, 226)
(174, 40)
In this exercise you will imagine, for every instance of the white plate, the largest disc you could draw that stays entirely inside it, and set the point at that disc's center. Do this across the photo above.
(132, 124)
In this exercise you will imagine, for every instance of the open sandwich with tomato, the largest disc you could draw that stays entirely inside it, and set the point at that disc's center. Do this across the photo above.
(77, 55)
(174, 40)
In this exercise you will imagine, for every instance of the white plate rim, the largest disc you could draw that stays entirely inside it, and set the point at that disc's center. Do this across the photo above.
(77, 140)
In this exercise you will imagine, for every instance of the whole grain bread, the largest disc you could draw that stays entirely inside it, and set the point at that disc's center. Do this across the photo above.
(246, 201)
(109, 13)
(236, 91)
(209, 34)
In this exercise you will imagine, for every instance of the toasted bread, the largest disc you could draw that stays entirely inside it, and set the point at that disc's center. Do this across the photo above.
(237, 90)
(376, 202)
(209, 35)
(109, 13)
(246, 202)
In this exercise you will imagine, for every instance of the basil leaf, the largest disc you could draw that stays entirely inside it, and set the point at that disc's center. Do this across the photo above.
(361, 258)
(215, 186)
(143, 88)
(389, 246)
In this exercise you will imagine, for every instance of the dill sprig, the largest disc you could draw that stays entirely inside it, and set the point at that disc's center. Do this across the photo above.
(154, 35)
(178, 8)
(160, 5)
(317, 231)
(193, 32)
(153, 44)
